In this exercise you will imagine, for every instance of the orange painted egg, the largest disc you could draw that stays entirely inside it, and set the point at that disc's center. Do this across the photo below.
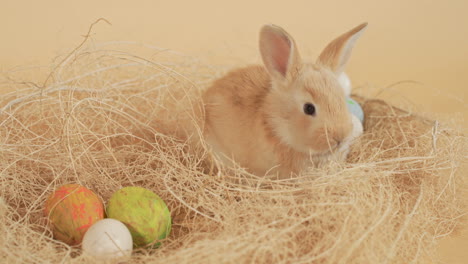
(71, 210)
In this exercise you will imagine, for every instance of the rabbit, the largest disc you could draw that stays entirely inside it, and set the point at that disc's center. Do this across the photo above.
(287, 115)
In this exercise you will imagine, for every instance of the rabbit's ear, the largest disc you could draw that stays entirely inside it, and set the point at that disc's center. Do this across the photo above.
(336, 54)
(279, 53)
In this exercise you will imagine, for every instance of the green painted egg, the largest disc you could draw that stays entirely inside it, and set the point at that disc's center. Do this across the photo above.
(143, 212)
(71, 210)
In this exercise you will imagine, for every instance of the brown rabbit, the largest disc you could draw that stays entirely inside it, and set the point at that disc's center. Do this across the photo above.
(287, 115)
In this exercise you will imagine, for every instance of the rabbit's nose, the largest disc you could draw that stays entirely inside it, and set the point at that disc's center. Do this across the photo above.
(342, 133)
(338, 142)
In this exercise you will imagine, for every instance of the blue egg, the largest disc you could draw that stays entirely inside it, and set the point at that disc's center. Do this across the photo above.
(355, 109)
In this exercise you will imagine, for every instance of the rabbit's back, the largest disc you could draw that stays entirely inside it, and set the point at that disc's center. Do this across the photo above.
(233, 105)
(243, 89)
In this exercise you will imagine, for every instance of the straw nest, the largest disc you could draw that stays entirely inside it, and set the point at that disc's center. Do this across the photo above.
(108, 119)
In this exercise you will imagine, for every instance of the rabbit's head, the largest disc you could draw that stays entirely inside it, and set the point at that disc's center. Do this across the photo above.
(306, 107)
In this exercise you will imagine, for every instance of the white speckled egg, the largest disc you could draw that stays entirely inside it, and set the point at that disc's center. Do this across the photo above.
(345, 83)
(107, 239)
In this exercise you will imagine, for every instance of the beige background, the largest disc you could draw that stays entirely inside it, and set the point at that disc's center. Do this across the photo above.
(423, 41)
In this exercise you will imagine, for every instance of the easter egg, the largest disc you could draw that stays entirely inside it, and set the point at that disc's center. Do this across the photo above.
(107, 239)
(71, 210)
(355, 109)
(143, 212)
(345, 83)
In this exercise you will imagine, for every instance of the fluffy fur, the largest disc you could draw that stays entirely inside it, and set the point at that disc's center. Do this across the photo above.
(255, 116)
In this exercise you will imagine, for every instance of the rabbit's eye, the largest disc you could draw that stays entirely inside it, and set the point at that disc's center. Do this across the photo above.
(309, 109)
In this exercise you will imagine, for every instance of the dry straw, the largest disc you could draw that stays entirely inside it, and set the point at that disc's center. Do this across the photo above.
(107, 119)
